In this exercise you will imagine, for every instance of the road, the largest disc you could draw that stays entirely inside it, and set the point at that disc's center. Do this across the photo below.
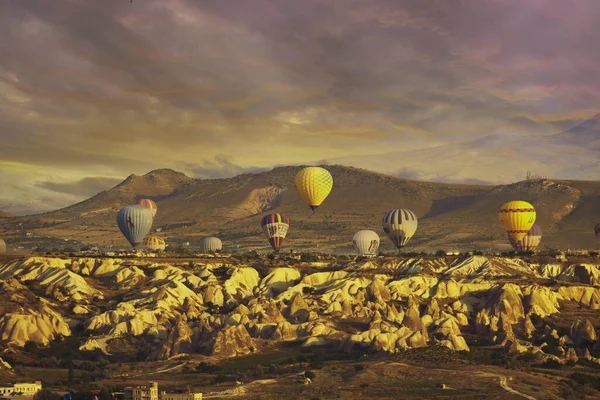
(504, 384)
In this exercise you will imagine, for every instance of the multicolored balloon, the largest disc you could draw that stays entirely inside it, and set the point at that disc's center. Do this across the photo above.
(275, 226)
(155, 243)
(151, 205)
(517, 218)
(529, 242)
(366, 243)
(400, 225)
(314, 185)
(210, 245)
(135, 222)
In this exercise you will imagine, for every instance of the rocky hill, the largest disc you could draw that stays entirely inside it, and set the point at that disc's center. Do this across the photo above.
(227, 309)
(461, 217)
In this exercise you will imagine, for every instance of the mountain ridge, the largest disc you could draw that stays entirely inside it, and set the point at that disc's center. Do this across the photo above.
(461, 216)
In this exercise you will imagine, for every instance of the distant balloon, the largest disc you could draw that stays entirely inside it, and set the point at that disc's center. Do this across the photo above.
(275, 226)
(314, 185)
(149, 204)
(2, 246)
(400, 225)
(366, 243)
(529, 242)
(155, 243)
(517, 218)
(210, 245)
(135, 222)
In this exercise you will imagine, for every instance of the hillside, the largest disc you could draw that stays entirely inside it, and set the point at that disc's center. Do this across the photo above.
(451, 216)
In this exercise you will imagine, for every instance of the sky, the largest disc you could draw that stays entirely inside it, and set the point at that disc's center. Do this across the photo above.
(92, 91)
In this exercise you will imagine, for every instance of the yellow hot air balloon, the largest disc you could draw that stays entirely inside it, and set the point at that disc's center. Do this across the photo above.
(517, 218)
(314, 185)
(155, 243)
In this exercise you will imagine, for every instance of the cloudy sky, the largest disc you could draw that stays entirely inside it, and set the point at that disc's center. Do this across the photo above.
(92, 91)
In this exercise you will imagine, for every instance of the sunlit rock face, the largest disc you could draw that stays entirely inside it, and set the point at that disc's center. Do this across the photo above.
(227, 310)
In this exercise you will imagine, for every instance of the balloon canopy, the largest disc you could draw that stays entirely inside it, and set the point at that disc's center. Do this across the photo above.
(366, 243)
(135, 222)
(529, 242)
(210, 245)
(275, 226)
(314, 185)
(517, 217)
(400, 225)
(151, 205)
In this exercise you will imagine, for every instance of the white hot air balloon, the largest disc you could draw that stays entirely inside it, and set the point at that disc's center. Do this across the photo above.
(210, 245)
(400, 225)
(366, 243)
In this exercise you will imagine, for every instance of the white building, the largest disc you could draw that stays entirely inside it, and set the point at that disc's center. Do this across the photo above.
(149, 392)
(21, 389)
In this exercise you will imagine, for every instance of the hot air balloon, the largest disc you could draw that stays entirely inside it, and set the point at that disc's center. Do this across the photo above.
(275, 226)
(313, 185)
(597, 231)
(530, 241)
(149, 204)
(400, 225)
(517, 217)
(2, 246)
(155, 243)
(135, 222)
(210, 245)
(366, 243)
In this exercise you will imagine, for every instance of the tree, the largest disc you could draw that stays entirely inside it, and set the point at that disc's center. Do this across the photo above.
(104, 394)
(46, 394)
(309, 374)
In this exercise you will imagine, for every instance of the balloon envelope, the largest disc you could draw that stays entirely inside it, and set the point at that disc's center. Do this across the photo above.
(2, 246)
(210, 244)
(155, 243)
(275, 226)
(366, 243)
(135, 222)
(151, 205)
(517, 218)
(529, 242)
(314, 185)
(400, 225)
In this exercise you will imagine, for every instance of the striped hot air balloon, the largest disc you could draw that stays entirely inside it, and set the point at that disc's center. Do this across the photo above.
(275, 226)
(517, 218)
(155, 243)
(366, 243)
(210, 245)
(135, 222)
(2, 246)
(400, 225)
(314, 185)
(149, 204)
(529, 242)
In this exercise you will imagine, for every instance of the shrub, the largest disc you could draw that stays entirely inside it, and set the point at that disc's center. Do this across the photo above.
(309, 374)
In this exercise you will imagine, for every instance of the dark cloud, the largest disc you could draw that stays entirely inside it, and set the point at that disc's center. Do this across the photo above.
(112, 87)
(85, 187)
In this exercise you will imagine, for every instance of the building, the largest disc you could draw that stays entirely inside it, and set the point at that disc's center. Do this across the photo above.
(149, 392)
(20, 390)
(181, 395)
